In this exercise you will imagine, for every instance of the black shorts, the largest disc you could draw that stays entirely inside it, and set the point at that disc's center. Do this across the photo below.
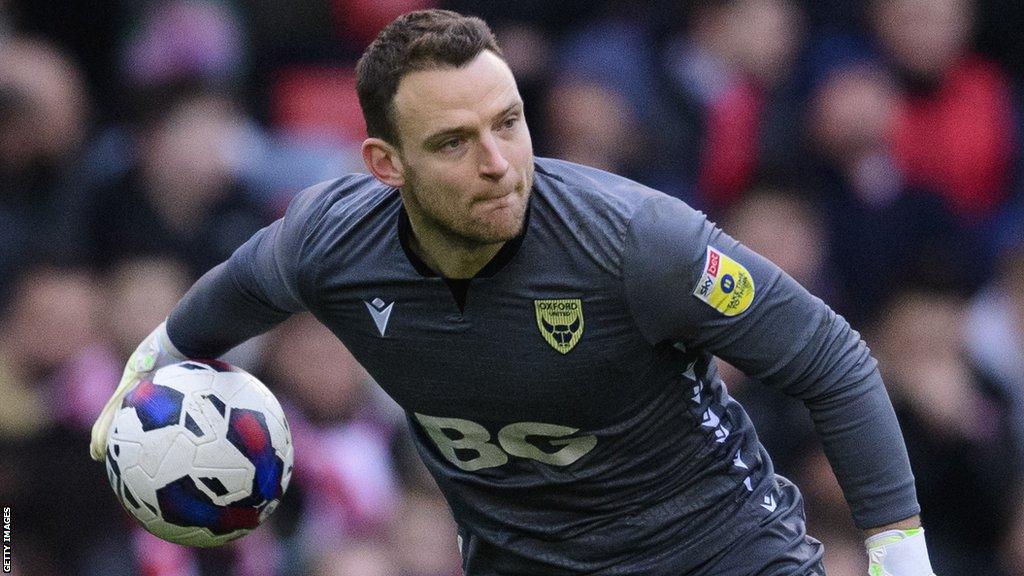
(779, 546)
(776, 544)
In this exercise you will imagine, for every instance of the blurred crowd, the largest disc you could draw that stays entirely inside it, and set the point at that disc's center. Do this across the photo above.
(871, 148)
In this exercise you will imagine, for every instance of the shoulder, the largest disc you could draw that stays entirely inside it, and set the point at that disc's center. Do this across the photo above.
(339, 202)
(346, 194)
(600, 209)
(592, 188)
(581, 195)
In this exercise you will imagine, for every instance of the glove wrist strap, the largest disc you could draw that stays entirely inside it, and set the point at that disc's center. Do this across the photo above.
(166, 345)
(899, 553)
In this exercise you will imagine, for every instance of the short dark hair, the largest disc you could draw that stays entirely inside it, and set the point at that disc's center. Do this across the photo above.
(415, 41)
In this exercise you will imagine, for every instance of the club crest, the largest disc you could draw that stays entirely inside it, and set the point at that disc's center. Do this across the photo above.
(560, 322)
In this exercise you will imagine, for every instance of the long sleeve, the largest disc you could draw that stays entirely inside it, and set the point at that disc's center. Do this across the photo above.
(266, 280)
(689, 283)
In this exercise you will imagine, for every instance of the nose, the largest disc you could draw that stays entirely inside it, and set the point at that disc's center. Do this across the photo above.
(493, 164)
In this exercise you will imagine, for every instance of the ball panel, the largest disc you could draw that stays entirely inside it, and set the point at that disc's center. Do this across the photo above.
(184, 504)
(227, 384)
(185, 380)
(214, 485)
(201, 420)
(232, 483)
(130, 498)
(185, 536)
(179, 457)
(221, 366)
(114, 475)
(144, 491)
(259, 398)
(217, 403)
(158, 444)
(206, 539)
(156, 406)
(247, 431)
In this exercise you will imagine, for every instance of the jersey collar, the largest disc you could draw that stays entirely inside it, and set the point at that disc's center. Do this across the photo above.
(496, 263)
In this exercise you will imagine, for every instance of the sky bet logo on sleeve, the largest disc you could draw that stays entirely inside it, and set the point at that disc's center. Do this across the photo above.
(725, 284)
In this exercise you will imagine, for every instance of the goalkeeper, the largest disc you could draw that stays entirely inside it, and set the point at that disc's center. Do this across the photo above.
(549, 330)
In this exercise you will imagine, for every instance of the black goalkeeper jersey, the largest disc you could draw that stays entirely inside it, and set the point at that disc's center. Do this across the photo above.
(567, 403)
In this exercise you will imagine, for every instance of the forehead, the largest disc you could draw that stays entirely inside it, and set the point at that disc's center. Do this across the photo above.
(430, 100)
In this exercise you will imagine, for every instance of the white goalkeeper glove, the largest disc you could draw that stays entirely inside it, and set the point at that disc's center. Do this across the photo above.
(898, 553)
(156, 351)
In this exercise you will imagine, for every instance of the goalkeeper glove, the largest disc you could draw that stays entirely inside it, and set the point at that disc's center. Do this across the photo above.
(156, 351)
(898, 553)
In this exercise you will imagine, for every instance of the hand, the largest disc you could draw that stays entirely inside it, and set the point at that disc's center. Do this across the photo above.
(898, 553)
(154, 352)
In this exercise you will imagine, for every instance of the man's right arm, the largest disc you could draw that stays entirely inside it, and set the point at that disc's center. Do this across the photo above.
(265, 281)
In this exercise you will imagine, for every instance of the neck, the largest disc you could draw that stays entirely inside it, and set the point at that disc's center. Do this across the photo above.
(450, 256)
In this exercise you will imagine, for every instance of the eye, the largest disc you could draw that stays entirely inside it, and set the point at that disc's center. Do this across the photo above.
(510, 122)
(451, 144)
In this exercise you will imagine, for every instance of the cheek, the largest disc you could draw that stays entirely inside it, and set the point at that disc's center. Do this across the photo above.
(523, 148)
(445, 193)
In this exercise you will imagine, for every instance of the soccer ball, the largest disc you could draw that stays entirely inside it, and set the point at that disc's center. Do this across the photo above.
(199, 452)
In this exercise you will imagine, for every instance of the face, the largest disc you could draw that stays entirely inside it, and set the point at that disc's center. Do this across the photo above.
(763, 37)
(925, 36)
(465, 163)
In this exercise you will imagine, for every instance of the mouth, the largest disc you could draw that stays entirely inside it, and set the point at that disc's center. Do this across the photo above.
(500, 201)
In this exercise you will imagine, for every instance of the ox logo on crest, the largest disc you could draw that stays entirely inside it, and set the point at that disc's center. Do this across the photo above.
(560, 322)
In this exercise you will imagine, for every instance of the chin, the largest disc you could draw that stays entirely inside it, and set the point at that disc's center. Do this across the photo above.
(501, 225)
(494, 233)
(498, 228)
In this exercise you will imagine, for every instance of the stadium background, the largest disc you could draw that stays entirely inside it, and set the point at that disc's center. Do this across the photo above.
(871, 149)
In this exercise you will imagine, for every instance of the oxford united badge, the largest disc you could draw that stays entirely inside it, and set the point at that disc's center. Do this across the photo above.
(560, 322)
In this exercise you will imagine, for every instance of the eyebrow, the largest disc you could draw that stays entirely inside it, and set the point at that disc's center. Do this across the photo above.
(438, 137)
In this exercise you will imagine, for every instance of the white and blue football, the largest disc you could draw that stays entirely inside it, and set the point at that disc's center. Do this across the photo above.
(199, 452)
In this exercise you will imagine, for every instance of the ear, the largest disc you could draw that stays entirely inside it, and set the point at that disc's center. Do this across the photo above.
(383, 161)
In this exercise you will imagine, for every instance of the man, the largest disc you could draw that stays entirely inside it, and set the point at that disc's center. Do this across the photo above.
(549, 330)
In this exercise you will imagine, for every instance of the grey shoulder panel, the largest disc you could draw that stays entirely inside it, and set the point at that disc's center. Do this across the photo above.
(592, 206)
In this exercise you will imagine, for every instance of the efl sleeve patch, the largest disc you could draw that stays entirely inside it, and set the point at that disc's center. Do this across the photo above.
(725, 284)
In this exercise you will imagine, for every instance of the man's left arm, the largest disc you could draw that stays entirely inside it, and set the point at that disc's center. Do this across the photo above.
(697, 286)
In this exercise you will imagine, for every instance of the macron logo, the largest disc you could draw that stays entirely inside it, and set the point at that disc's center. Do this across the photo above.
(380, 311)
